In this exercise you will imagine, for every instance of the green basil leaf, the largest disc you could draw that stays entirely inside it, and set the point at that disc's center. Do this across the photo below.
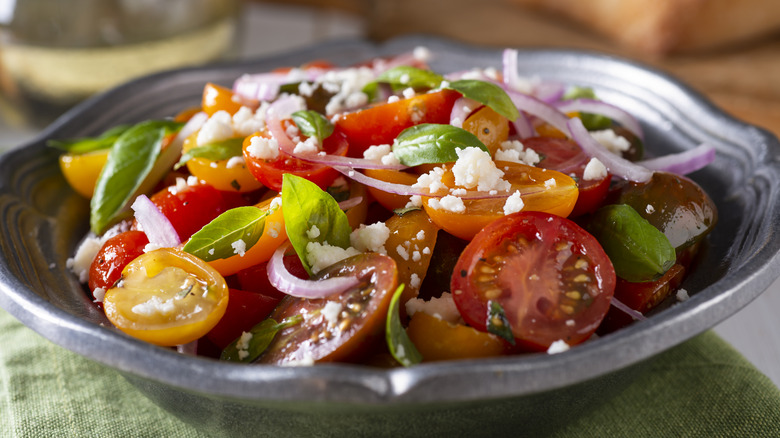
(221, 150)
(638, 251)
(404, 76)
(401, 347)
(497, 322)
(404, 210)
(305, 205)
(429, 143)
(592, 122)
(216, 239)
(262, 335)
(130, 162)
(89, 144)
(488, 94)
(313, 124)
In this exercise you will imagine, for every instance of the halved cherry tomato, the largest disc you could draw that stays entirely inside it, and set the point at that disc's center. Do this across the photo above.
(565, 156)
(167, 297)
(538, 195)
(244, 310)
(218, 98)
(491, 128)
(111, 259)
(255, 278)
(382, 123)
(641, 297)
(349, 333)
(270, 172)
(390, 201)
(274, 234)
(81, 171)
(189, 208)
(236, 178)
(551, 277)
(437, 339)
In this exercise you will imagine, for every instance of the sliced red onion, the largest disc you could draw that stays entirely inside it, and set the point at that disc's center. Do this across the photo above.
(684, 162)
(511, 78)
(274, 124)
(598, 107)
(549, 91)
(627, 310)
(461, 110)
(523, 127)
(351, 202)
(283, 107)
(616, 165)
(282, 279)
(189, 348)
(542, 110)
(156, 226)
(193, 124)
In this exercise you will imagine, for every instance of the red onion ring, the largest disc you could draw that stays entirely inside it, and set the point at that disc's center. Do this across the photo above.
(598, 107)
(616, 165)
(684, 162)
(283, 107)
(462, 108)
(351, 202)
(288, 283)
(523, 127)
(157, 227)
(542, 110)
(627, 310)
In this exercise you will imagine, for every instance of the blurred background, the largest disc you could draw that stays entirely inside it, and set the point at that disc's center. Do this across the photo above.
(54, 53)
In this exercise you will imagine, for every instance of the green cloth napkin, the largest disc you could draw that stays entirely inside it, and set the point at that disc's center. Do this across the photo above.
(701, 388)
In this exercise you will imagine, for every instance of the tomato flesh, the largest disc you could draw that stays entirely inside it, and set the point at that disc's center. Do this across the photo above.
(245, 309)
(551, 277)
(437, 339)
(347, 335)
(113, 256)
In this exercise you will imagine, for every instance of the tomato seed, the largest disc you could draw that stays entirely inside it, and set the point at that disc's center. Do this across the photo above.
(492, 294)
(567, 309)
(574, 295)
(582, 278)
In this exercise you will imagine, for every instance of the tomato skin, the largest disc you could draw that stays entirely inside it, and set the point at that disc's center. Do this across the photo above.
(217, 173)
(382, 123)
(245, 309)
(544, 270)
(565, 156)
(357, 328)
(255, 278)
(192, 207)
(437, 339)
(82, 170)
(218, 98)
(112, 258)
(491, 128)
(270, 172)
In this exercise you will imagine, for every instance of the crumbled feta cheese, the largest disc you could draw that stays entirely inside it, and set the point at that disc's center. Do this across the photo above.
(331, 311)
(154, 305)
(234, 162)
(414, 201)
(404, 79)
(649, 209)
(306, 89)
(370, 238)
(514, 203)
(99, 293)
(420, 235)
(402, 252)
(313, 232)
(594, 170)
(217, 128)
(243, 341)
(426, 250)
(309, 146)
(610, 140)
(558, 346)
(515, 151)
(80, 262)
(263, 148)
(443, 308)
(274, 228)
(149, 247)
(382, 153)
(449, 203)
(246, 123)
(414, 281)
(550, 183)
(393, 99)
(347, 86)
(475, 168)
(408, 93)
(275, 203)
(431, 180)
(239, 247)
(321, 255)
(682, 294)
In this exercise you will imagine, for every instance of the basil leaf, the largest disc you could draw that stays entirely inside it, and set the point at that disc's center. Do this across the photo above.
(216, 239)
(89, 144)
(313, 124)
(638, 251)
(497, 322)
(488, 94)
(262, 335)
(221, 150)
(404, 210)
(592, 122)
(130, 161)
(429, 143)
(305, 205)
(401, 347)
(404, 76)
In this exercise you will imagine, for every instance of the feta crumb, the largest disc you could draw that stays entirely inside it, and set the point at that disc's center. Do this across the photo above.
(449, 203)
(313, 232)
(682, 294)
(234, 162)
(594, 170)
(649, 209)
(408, 93)
(414, 201)
(308, 146)
(331, 312)
(274, 228)
(550, 183)
(370, 238)
(475, 168)
(431, 180)
(275, 203)
(443, 308)
(243, 341)
(610, 140)
(393, 99)
(402, 252)
(558, 346)
(80, 262)
(217, 128)
(420, 235)
(570, 323)
(513, 203)
(416, 256)
(414, 281)
(99, 293)
(239, 247)
(149, 247)
(263, 148)
(154, 305)
(515, 151)
(426, 250)
(321, 255)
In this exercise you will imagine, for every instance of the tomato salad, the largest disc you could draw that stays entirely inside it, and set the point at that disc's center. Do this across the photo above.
(384, 214)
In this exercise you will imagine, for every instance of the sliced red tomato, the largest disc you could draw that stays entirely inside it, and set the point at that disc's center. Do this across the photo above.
(245, 309)
(565, 156)
(189, 208)
(382, 123)
(270, 172)
(353, 322)
(116, 253)
(552, 279)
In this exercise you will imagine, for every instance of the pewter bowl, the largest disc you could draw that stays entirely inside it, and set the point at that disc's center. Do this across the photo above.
(42, 220)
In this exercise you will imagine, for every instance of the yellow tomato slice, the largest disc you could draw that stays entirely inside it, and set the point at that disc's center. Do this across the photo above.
(541, 190)
(274, 234)
(81, 171)
(437, 339)
(233, 178)
(167, 297)
(218, 98)
(390, 201)
(491, 128)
